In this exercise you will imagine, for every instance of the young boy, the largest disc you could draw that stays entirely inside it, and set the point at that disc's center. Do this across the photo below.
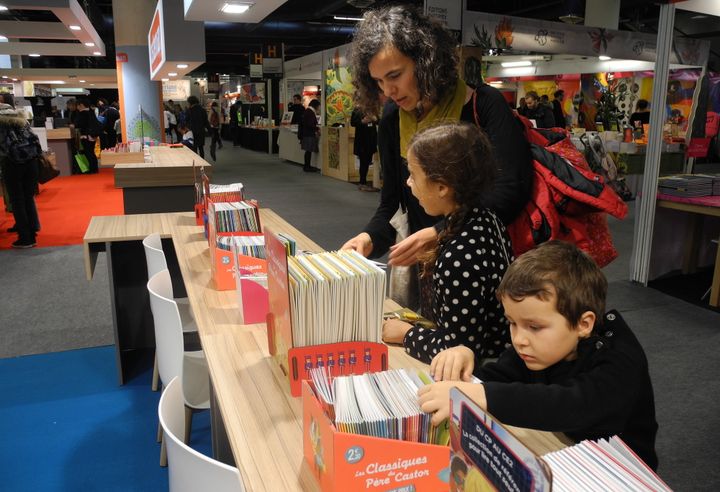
(187, 137)
(571, 369)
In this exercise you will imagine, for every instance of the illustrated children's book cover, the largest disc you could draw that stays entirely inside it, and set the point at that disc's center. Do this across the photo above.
(487, 457)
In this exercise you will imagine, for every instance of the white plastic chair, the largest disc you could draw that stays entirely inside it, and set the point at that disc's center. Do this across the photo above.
(173, 360)
(188, 470)
(155, 258)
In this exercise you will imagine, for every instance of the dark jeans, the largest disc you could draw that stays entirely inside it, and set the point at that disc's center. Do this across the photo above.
(200, 147)
(110, 139)
(88, 149)
(365, 162)
(21, 181)
(235, 132)
(215, 141)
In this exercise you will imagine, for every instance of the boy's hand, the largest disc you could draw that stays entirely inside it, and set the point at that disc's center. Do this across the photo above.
(453, 364)
(394, 330)
(435, 398)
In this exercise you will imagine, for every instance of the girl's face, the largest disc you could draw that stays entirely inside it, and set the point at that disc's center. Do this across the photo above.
(434, 196)
(395, 77)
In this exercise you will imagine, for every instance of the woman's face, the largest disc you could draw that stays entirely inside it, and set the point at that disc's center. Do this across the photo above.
(395, 77)
(434, 196)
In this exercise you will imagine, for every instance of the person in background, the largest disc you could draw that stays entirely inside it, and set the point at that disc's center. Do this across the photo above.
(89, 129)
(180, 117)
(365, 144)
(187, 137)
(572, 367)
(545, 101)
(558, 111)
(19, 150)
(215, 139)
(538, 112)
(170, 123)
(297, 109)
(310, 134)
(71, 112)
(235, 121)
(413, 60)
(197, 121)
(522, 107)
(112, 114)
(451, 166)
(641, 116)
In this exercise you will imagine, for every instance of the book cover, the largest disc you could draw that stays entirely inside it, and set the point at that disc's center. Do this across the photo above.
(279, 327)
(486, 456)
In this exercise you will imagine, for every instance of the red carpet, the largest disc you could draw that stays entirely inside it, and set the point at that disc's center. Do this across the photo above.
(65, 206)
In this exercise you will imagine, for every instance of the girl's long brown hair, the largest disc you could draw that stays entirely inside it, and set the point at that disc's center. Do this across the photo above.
(460, 156)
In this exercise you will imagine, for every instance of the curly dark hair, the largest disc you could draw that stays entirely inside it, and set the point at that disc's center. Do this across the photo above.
(460, 156)
(424, 40)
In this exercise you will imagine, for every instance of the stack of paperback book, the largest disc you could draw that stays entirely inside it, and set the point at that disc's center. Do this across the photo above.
(235, 216)
(225, 193)
(335, 296)
(250, 245)
(379, 404)
(686, 185)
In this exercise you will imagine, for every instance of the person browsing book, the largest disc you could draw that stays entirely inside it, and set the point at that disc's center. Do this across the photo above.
(572, 367)
(410, 58)
(188, 139)
(450, 165)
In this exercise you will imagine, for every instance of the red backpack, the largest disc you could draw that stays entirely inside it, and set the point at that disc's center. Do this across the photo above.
(567, 200)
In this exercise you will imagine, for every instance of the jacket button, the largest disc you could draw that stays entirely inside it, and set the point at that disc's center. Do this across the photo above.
(609, 333)
(599, 345)
(611, 317)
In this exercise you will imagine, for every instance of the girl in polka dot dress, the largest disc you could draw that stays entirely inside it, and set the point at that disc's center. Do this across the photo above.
(451, 166)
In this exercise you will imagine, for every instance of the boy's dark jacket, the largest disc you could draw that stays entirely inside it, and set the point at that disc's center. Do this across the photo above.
(604, 392)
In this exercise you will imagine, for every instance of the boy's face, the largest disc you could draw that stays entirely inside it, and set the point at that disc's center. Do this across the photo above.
(541, 335)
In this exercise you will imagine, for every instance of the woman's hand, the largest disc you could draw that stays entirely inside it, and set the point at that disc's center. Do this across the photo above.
(362, 243)
(405, 253)
(453, 364)
(394, 330)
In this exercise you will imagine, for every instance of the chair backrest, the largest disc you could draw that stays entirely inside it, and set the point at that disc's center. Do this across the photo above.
(189, 470)
(154, 254)
(168, 326)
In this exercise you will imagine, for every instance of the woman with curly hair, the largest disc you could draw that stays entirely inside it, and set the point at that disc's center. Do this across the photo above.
(450, 167)
(411, 59)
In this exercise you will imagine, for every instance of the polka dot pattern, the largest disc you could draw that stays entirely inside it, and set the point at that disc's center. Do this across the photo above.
(464, 282)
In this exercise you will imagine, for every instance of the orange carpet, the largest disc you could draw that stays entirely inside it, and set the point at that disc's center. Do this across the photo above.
(65, 206)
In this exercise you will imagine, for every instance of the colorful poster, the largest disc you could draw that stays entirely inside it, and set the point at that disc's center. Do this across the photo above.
(333, 145)
(253, 93)
(338, 88)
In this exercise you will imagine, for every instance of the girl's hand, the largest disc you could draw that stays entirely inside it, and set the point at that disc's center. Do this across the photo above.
(405, 253)
(362, 243)
(394, 330)
(453, 364)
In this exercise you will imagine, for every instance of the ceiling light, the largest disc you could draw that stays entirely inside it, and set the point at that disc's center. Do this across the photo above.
(82, 81)
(3, 38)
(75, 28)
(342, 17)
(34, 55)
(521, 63)
(49, 81)
(3, 8)
(14, 80)
(182, 65)
(604, 58)
(236, 8)
(90, 44)
(518, 71)
(695, 17)
(92, 85)
(172, 74)
(4, 76)
(164, 80)
(97, 53)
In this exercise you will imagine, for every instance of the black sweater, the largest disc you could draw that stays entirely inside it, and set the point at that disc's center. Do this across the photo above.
(508, 195)
(605, 391)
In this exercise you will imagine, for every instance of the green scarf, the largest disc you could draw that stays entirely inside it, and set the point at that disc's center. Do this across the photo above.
(447, 109)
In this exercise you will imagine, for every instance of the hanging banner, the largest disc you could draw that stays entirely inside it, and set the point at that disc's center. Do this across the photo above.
(499, 32)
(448, 12)
(156, 42)
(338, 86)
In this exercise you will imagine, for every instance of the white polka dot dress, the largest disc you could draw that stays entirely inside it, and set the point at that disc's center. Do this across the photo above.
(467, 272)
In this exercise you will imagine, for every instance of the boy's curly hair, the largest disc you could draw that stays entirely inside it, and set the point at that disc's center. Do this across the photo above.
(416, 36)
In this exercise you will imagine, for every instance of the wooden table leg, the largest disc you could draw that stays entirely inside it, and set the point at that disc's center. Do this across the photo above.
(692, 244)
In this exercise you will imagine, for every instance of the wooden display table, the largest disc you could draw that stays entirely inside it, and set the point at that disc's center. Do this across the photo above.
(255, 421)
(109, 159)
(166, 183)
(338, 160)
(60, 142)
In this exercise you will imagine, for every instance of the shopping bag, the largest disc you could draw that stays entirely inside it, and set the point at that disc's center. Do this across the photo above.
(82, 162)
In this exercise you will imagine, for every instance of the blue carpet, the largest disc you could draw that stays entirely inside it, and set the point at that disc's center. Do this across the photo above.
(66, 425)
